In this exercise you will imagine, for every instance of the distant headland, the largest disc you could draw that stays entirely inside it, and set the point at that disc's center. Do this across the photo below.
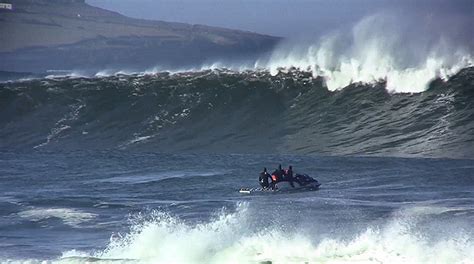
(42, 35)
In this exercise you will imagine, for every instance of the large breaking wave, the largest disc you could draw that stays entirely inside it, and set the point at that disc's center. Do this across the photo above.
(385, 86)
(379, 47)
(406, 52)
(235, 112)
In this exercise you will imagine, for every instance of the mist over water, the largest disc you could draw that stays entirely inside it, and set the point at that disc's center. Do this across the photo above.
(380, 47)
(405, 51)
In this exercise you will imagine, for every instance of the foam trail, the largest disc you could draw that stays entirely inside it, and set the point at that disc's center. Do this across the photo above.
(72, 217)
(227, 239)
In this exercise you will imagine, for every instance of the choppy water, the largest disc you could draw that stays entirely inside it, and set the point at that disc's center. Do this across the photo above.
(77, 207)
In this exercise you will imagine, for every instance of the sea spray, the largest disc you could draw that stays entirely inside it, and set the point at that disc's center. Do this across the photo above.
(405, 53)
(377, 49)
(162, 238)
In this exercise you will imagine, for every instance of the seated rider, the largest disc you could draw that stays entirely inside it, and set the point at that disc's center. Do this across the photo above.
(289, 176)
(263, 178)
(277, 176)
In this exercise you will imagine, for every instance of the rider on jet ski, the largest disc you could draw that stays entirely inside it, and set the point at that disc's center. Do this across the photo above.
(277, 176)
(282, 175)
(289, 176)
(263, 179)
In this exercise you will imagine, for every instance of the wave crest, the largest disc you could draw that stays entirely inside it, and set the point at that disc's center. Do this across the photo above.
(162, 238)
(379, 47)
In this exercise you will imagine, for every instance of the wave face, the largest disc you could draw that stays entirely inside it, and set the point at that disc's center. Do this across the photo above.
(235, 112)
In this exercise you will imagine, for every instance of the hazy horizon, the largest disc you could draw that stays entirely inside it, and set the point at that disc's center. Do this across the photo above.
(283, 17)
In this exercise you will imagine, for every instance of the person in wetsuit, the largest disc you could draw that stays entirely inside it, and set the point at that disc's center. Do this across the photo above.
(289, 176)
(263, 178)
(277, 176)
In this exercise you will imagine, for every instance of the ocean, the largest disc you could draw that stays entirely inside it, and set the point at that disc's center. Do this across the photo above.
(146, 168)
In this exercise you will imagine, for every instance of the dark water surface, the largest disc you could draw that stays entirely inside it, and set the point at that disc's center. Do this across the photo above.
(166, 208)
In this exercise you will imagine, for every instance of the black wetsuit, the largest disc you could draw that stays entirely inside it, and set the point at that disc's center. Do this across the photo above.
(278, 175)
(289, 177)
(263, 179)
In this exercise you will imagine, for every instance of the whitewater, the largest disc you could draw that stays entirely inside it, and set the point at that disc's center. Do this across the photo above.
(405, 53)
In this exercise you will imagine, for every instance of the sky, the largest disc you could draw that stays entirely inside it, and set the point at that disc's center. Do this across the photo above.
(284, 18)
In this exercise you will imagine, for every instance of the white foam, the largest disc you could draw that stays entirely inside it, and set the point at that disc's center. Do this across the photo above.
(61, 125)
(71, 217)
(54, 74)
(226, 239)
(377, 51)
(377, 48)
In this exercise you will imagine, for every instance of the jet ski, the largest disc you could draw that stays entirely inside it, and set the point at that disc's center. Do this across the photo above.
(301, 182)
